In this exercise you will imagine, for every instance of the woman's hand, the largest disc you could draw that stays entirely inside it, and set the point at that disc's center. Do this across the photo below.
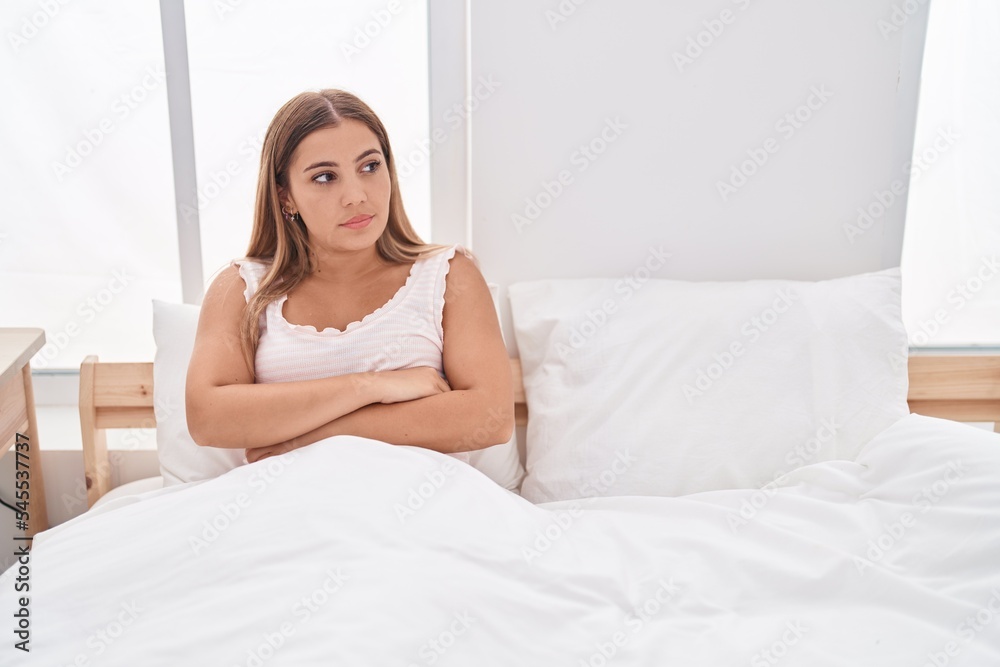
(397, 386)
(410, 384)
(258, 453)
(315, 435)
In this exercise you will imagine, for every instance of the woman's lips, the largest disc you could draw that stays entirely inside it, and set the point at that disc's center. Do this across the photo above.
(358, 222)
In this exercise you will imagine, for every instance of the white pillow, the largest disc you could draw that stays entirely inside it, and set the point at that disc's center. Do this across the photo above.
(182, 460)
(669, 387)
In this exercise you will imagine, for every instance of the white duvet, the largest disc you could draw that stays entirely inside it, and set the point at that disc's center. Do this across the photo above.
(355, 552)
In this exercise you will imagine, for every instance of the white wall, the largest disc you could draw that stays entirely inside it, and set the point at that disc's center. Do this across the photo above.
(656, 183)
(684, 129)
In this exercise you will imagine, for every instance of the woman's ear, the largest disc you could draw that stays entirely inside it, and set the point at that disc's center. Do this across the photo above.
(285, 199)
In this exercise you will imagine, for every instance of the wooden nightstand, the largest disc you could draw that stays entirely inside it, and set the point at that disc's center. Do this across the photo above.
(18, 427)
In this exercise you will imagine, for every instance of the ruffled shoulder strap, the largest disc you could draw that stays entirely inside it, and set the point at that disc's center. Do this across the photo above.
(443, 264)
(251, 271)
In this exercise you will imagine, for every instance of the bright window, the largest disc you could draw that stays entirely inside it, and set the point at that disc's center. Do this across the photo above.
(249, 60)
(951, 251)
(90, 232)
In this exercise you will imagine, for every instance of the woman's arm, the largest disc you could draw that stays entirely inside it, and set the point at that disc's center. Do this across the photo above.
(447, 422)
(225, 408)
(477, 413)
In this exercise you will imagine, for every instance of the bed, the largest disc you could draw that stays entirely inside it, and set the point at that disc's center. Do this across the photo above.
(353, 551)
(959, 387)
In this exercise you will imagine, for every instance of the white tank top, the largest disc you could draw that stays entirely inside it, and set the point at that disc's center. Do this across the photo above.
(405, 332)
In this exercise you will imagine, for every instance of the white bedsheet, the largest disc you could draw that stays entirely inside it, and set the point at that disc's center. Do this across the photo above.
(326, 558)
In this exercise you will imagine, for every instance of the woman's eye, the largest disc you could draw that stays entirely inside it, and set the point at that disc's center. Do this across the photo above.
(327, 177)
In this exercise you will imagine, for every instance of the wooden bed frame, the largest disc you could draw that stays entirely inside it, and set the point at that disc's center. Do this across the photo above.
(962, 387)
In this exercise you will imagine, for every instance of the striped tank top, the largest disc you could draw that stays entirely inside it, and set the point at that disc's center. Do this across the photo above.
(405, 332)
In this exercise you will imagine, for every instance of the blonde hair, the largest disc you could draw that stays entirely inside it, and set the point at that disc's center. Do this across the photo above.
(285, 243)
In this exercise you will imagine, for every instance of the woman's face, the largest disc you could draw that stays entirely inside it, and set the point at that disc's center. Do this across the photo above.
(337, 174)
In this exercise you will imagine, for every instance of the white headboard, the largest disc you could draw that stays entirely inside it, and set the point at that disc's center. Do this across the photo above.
(672, 121)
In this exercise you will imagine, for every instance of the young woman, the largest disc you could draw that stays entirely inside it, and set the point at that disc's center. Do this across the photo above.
(340, 320)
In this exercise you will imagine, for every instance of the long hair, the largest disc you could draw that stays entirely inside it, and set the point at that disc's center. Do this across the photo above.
(284, 244)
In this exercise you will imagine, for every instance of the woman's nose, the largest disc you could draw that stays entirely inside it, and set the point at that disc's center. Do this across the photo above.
(353, 192)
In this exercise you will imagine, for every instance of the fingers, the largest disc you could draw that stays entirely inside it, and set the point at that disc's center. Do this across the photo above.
(258, 453)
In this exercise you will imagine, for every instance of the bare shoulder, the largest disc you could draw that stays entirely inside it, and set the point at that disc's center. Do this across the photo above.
(474, 355)
(217, 358)
(227, 287)
(464, 281)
